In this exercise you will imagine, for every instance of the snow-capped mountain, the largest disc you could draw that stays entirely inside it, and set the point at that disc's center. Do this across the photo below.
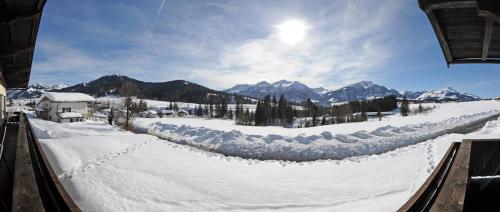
(412, 94)
(293, 90)
(446, 94)
(33, 91)
(357, 91)
(298, 92)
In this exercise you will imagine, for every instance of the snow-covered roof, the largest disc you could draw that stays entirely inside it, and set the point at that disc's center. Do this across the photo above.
(99, 115)
(183, 111)
(40, 109)
(67, 115)
(67, 97)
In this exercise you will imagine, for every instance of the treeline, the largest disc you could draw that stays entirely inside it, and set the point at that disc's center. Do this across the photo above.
(313, 115)
(271, 111)
(353, 111)
(217, 107)
(384, 104)
(268, 112)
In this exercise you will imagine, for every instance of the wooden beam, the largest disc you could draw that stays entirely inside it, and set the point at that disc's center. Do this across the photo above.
(12, 50)
(476, 60)
(26, 196)
(440, 35)
(12, 19)
(452, 195)
(422, 199)
(445, 5)
(488, 31)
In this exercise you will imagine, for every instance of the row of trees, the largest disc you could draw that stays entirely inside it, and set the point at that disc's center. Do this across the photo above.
(268, 111)
(217, 107)
(384, 104)
(354, 111)
(272, 112)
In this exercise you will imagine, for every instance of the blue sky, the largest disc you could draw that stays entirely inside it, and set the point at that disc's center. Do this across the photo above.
(222, 43)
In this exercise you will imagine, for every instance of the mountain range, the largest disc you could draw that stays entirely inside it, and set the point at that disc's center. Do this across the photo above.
(33, 91)
(176, 90)
(294, 91)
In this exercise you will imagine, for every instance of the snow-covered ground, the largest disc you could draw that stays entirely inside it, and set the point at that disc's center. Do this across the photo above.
(323, 142)
(106, 169)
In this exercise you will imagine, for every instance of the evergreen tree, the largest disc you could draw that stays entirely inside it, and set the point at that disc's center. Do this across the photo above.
(210, 109)
(267, 110)
(420, 108)
(379, 114)
(110, 117)
(274, 110)
(259, 113)
(405, 108)
(205, 111)
(247, 117)
(282, 108)
(289, 114)
(230, 113)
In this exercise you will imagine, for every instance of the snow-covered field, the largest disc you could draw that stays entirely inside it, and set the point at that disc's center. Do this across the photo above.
(116, 101)
(107, 169)
(323, 142)
(112, 170)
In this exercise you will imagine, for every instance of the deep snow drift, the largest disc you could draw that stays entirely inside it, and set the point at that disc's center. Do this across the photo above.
(106, 169)
(324, 142)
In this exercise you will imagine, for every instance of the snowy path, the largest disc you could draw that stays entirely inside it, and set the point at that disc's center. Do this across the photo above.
(112, 170)
(324, 142)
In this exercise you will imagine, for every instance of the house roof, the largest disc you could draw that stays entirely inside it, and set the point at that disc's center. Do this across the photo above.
(19, 22)
(467, 30)
(183, 111)
(67, 97)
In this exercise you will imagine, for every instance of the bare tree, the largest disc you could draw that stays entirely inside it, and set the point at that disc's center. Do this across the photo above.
(127, 106)
(127, 91)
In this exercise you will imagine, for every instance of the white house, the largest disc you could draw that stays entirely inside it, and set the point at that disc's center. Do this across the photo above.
(182, 113)
(63, 107)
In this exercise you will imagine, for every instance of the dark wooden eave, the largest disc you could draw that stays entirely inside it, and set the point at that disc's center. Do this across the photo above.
(19, 23)
(467, 30)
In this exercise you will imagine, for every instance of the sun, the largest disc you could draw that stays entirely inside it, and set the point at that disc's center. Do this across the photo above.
(292, 32)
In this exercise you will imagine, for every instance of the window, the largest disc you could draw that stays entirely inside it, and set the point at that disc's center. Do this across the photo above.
(66, 109)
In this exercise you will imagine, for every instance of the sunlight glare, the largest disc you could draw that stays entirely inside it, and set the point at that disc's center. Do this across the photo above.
(292, 32)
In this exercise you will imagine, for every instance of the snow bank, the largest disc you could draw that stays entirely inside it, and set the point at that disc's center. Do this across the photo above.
(318, 144)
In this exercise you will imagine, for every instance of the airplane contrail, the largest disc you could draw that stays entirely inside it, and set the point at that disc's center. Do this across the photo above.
(153, 28)
(158, 13)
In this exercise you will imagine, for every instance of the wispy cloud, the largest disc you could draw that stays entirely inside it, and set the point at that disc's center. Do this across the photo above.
(341, 48)
(219, 44)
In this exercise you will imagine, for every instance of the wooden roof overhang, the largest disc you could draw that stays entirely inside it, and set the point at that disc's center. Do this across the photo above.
(19, 22)
(467, 30)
